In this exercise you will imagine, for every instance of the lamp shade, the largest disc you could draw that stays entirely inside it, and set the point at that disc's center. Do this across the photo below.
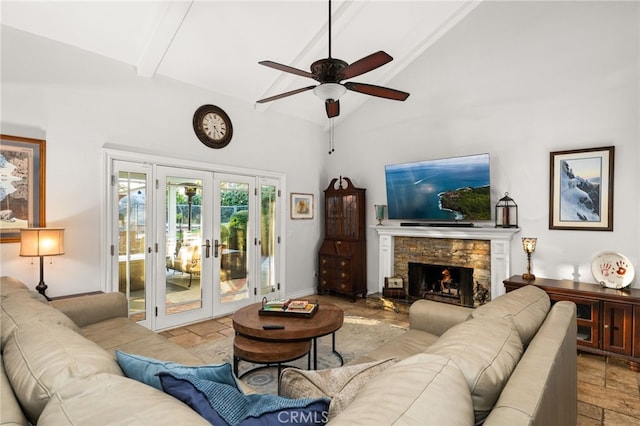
(326, 91)
(529, 245)
(41, 242)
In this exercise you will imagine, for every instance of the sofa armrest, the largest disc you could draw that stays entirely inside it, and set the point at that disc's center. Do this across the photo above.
(91, 309)
(542, 390)
(435, 317)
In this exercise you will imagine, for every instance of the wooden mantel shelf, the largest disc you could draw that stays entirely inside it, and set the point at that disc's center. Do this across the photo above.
(463, 233)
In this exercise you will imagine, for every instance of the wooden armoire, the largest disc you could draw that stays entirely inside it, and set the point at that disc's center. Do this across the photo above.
(343, 254)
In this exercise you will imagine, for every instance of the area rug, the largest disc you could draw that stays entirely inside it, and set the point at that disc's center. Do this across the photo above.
(357, 337)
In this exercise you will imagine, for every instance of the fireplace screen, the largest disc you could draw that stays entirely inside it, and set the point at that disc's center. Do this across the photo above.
(442, 283)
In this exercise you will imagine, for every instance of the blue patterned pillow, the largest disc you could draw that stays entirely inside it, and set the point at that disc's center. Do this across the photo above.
(221, 404)
(145, 370)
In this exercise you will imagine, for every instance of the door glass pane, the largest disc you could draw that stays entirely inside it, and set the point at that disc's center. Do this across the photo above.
(349, 216)
(184, 240)
(131, 241)
(267, 239)
(234, 218)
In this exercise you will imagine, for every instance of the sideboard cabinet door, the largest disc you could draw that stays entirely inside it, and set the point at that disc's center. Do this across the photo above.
(617, 320)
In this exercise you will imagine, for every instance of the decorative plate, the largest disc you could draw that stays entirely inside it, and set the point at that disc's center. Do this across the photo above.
(612, 270)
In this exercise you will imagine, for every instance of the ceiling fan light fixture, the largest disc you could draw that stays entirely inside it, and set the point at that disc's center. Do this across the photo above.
(326, 91)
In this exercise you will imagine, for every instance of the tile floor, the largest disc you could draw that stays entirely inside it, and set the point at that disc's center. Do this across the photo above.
(608, 392)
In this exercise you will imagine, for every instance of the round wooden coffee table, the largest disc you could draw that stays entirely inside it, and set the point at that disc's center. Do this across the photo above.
(327, 320)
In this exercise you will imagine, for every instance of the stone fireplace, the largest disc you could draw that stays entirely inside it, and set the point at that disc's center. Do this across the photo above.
(477, 260)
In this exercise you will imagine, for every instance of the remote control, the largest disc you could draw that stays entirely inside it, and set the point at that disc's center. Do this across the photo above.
(273, 327)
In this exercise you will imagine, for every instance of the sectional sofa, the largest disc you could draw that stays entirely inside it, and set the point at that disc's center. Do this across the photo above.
(512, 361)
(509, 362)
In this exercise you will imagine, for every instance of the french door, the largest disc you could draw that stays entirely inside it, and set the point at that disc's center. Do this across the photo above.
(185, 280)
(192, 244)
(132, 230)
(245, 241)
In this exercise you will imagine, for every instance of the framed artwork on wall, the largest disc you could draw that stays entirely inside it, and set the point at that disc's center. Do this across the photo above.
(301, 206)
(22, 186)
(581, 189)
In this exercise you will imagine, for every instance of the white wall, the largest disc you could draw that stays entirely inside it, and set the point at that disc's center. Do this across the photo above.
(518, 80)
(80, 102)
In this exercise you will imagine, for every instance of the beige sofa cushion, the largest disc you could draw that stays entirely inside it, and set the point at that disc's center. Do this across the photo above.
(10, 411)
(41, 358)
(106, 399)
(527, 307)
(128, 336)
(403, 346)
(426, 390)
(486, 350)
(25, 307)
(338, 384)
(10, 285)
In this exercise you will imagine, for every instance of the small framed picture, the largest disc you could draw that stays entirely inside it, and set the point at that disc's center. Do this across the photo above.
(301, 206)
(581, 189)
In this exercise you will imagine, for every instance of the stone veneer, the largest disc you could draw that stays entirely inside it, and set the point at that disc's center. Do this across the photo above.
(474, 254)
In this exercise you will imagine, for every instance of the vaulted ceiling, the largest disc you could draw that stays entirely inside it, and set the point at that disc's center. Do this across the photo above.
(217, 44)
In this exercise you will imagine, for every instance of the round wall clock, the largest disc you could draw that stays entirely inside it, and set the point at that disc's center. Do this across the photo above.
(212, 126)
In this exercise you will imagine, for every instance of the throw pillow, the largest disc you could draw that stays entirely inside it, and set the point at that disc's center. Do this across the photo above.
(222, 404)
(145, 370)
(339, 384)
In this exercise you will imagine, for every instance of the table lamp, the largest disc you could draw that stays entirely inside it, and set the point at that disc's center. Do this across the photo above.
(529, 246)
(41, 242)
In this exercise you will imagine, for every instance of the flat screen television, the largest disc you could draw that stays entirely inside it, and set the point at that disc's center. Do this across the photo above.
(441, 190)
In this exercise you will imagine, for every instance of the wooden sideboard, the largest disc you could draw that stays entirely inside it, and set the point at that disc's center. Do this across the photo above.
(608, 319)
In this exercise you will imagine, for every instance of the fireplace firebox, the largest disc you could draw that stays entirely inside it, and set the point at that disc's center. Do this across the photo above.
(442, 283)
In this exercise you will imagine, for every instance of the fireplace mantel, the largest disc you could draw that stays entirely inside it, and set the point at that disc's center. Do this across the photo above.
(500, 247)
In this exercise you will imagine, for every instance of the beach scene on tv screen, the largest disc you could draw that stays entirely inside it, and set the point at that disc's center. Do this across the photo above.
(451, 189)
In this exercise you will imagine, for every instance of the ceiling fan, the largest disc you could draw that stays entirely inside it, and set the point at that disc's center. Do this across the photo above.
(329, 72)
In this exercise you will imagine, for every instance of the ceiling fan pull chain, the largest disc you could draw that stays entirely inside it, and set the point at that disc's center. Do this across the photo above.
(332, 137)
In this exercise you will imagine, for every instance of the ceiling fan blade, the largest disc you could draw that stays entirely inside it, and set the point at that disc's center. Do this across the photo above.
(332, 107)
(379, 91)
(284, 95)
(366, 64)
(287, 68)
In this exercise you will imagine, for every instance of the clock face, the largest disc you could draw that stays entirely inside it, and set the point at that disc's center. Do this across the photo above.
(212, 126)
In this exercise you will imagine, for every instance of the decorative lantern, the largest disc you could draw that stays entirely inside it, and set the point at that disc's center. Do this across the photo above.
(506, 212)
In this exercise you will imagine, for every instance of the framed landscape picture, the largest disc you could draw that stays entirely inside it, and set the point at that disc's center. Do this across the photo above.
(22, 186)
(301, 206)
(581, 189)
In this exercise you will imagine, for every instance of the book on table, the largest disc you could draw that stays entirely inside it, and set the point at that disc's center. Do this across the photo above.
(275, 304)
(297, 304)
(294, 308)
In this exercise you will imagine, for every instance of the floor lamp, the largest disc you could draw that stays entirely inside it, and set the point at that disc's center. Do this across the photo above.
(41, 242)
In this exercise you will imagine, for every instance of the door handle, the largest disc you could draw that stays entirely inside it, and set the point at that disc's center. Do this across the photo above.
(207, 248)
(216, 248)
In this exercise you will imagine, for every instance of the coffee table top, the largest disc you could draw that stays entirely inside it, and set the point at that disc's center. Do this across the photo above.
(248, 322)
